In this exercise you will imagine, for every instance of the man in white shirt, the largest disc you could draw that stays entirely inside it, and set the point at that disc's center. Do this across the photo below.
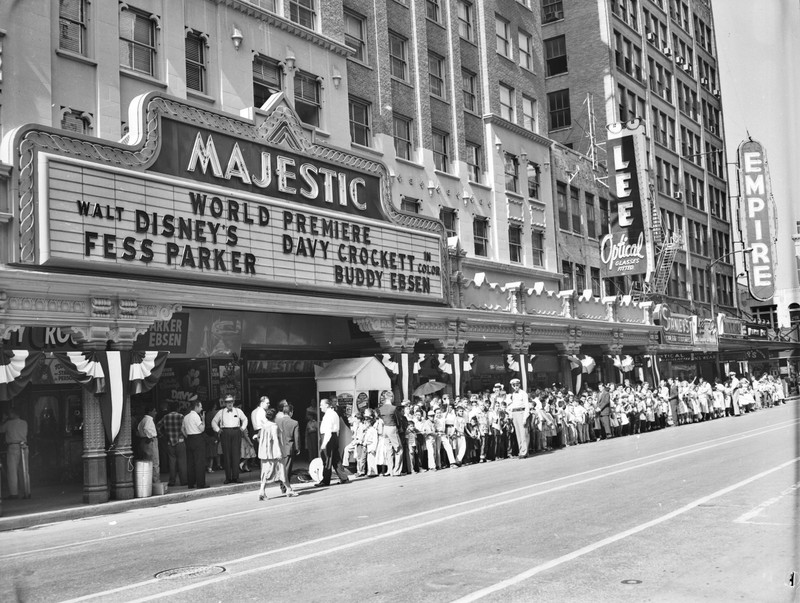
(329, 447)
(230, 423)
(519, 407)
(258, 416)
(193, 429)
(148, 442)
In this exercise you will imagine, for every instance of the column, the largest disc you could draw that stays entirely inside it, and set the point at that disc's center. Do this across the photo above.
(121, 461)
(95, 479)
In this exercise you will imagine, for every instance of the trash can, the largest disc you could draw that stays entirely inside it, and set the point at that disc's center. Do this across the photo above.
(143, 479)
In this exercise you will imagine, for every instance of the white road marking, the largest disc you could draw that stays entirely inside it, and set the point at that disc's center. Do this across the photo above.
(447, 517)
(754, 512)
(716, 442)
(479, 594)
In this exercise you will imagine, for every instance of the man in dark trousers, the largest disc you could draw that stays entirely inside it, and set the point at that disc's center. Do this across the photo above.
(329, 446)
(193, 429)
(289, 434)
(391, 421)
(604, 410)
(230, 423)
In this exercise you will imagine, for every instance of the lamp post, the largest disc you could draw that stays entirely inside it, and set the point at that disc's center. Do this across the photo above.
(711, 275)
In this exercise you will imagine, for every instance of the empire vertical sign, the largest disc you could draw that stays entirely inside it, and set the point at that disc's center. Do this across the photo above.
(757, 220)
(625, 250)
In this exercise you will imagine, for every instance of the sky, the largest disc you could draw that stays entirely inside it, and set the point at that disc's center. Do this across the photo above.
(758, 49)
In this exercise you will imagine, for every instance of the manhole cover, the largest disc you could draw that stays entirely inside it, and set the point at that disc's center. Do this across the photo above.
(631, 581)
(193, 571)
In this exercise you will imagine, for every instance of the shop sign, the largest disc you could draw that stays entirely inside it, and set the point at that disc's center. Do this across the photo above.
(706, 332)
(687, 356)
(626, 250)
(730, 326)
(167, 335)
(40, 338)
(676, 329)
(741, 355)
(208, 197)
(757, 220)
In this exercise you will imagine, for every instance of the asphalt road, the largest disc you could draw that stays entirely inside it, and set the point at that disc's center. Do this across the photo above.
(706, 512)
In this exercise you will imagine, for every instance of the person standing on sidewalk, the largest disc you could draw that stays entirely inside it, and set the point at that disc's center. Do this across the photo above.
(289, 434)
(16, 432)
(148, 442)
(519, 407)
(193, 429)
(394, 447)
(170, 428)
(329, 447)
(229, 423)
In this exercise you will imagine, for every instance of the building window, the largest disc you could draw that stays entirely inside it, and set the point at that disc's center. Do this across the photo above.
(563, 208)
(79, 122)
(402, 136)
(409, 204)
(566, 276)
(480, 233)
(591, 220)
(449, 218)
(398, 65)
(441, 155)
(433, 10)
(511, 169)
(525, 50)
(355, 27)
(552, 10)
(196, 61)
(303, 13)
(515, 243)
(469, 84)
(558, 105)
(473, 161)
(72, 25)
(507, 102)
(537, 247)
(604, 218)
(503, 35)
(267, 80)
(575, 209)
(436, 75)
(555, 55)
(137, 41)
(360, 132)
(533, 180)
(580, 278)
(466, 19)
(529, 113)
(268, 5)
(766, 314)
(306, 97)
(595, 276)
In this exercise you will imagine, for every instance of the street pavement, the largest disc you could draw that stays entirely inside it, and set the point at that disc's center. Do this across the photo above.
(704, 512)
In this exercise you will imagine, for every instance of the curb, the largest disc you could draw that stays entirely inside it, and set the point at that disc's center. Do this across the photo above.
(17, 522)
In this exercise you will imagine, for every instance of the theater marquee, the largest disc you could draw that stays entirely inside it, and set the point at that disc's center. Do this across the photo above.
(202, 196)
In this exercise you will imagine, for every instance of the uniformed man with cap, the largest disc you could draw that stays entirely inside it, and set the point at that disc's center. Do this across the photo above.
(519, 407)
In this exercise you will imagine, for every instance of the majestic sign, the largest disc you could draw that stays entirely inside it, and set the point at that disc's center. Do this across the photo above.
(626, 250)
(201, 196)
(757, 220)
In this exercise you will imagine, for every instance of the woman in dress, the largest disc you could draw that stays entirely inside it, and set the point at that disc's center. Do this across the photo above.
(271, 455)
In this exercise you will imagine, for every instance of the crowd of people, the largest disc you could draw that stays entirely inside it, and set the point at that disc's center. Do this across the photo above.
(433, 432)
(446, 432)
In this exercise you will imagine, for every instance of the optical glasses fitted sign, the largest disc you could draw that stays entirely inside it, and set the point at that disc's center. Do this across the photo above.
(626, 249)
(210, 205)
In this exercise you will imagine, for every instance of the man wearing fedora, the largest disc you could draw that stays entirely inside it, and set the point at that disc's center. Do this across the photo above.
(230, 423)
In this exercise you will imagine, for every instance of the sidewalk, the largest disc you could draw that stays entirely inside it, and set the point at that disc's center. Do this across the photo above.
(64, 502)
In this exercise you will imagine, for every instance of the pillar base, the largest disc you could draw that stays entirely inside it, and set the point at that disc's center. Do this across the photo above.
(95, 481)
(122, 475)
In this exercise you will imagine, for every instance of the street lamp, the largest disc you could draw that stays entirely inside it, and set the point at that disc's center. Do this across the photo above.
(714, 280)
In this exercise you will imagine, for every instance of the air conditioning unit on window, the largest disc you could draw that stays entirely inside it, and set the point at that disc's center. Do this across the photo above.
(667, 50)
(716, 92)
(677, 195)
(679, 61)
(688, 68)
(651, 37)
(712, 129)
(704, 81)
